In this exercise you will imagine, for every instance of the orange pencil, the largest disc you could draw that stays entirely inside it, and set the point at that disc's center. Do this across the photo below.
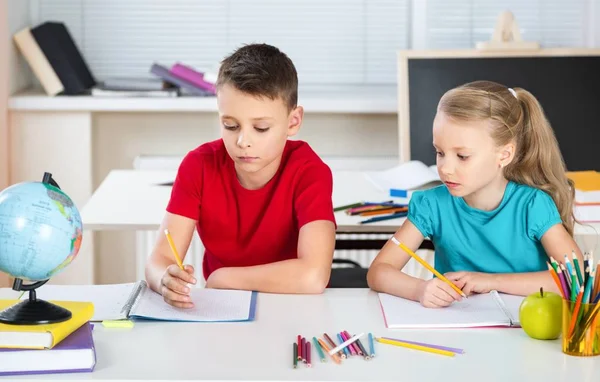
(384, 211)
(556, 280)
(334, 356)
(575, 312)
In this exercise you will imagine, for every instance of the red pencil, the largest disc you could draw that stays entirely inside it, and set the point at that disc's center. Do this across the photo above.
(299, 347)
(303, 349)
(308, 364)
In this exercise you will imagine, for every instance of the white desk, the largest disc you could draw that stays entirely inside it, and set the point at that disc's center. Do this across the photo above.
(261, 350)
(131, 200)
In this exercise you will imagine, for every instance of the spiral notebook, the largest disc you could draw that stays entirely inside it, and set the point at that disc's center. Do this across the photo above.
(481, 310)
(137, 300)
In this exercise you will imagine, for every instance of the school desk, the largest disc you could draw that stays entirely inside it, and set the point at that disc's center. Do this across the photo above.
(261, 350)
(135, 200)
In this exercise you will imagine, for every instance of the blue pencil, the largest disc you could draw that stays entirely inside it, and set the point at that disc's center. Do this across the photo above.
(384, 217)
(371, 345)
(339, 336)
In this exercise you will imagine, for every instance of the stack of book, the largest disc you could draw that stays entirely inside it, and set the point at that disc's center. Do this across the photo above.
(587, 195)
(58, 64)
(65, 347)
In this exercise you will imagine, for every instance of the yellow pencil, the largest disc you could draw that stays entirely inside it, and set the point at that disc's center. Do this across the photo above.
(173, 249)
(416, 347)
(426, 265)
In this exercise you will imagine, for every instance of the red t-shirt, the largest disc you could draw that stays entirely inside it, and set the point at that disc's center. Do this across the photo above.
(241, 227)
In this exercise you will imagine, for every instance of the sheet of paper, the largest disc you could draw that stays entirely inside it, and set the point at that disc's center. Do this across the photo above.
(209, 305)
(476, 311)
(108, 300)
(407, 176)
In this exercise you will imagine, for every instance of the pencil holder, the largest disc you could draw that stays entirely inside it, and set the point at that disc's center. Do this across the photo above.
(580, 329)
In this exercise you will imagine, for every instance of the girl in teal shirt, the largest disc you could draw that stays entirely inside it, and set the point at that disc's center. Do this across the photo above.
(505, 206)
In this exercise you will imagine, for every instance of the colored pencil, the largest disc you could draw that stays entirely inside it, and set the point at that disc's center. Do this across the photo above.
(577, 268)
(385, 217)
(333, 344)
(354, 345)
(363, 350)
(333, 356)
(350, 348)
(371, 345)
(319, 350)
(303, 347)
(346, 351)
(563, 283)
(384, 211)
(454, 350)
(295, 355)
(345, 343)
(556, 280)
(416, 347)
(174, 249)
(429, 267)
(341, 208)
(308, 364)
(299, 347)
(574, 317)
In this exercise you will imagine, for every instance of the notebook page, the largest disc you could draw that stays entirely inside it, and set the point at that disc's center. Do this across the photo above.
(511, 305)
(407, 176)
(210, 305)
(109, 300)
(476, 311)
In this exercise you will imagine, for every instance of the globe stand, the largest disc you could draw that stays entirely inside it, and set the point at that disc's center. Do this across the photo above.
(33, 311)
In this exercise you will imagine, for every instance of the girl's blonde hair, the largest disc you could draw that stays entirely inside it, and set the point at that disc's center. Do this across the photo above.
(517, 118)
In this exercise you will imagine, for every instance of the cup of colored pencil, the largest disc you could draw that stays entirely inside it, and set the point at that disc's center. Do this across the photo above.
(580, 288)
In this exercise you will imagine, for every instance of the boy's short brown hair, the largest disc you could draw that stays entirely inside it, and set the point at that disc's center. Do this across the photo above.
(261, 70)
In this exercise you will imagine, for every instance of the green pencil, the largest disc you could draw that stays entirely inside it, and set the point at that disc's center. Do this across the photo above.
(353, 205)
(295, 345)
(319, 350)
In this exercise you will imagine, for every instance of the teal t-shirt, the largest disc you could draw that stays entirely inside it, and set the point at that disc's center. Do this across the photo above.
(504, 240)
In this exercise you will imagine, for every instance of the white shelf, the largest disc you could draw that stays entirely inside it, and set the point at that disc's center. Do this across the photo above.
(346, 99)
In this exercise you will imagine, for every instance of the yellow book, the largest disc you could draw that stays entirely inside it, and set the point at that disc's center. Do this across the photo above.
(587, 186)
(44, 336)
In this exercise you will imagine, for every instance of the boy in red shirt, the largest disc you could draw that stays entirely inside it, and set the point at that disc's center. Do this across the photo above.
(261, 203)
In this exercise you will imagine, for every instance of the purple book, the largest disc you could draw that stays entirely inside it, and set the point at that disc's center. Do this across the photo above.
(74, 354)
(192, 76)
(167, 76)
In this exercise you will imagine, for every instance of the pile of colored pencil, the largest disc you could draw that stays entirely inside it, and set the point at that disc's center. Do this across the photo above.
(348, 346)
(582, 290)
(375, 211)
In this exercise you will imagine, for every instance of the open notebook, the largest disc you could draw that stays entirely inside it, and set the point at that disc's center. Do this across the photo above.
(136, 300)
(490, 309)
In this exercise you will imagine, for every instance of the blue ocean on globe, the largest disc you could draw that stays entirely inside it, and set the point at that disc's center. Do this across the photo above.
(40, 230)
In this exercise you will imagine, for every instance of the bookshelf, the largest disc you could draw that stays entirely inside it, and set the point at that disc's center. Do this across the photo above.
(334, 99)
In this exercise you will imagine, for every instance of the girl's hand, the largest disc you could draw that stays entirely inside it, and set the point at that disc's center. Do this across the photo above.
(174, 286)
(472, 282)
(435, 293)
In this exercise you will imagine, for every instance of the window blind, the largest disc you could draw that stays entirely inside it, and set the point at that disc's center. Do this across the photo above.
(463, 23)
(341, 42)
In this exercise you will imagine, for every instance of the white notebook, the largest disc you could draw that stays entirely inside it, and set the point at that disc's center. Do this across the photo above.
(490, 309)
(411, 175)
(136, 300)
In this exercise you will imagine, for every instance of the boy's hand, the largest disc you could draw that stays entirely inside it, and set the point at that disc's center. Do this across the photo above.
(435, 293)
(174, 286)
(472, 282)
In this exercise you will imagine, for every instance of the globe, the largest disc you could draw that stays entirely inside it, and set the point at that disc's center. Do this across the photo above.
(40, 230)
